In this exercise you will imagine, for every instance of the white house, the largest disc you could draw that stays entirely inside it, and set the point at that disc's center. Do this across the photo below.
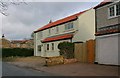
(108, 33)
(75, 28)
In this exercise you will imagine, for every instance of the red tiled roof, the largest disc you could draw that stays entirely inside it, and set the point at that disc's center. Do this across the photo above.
(102, 3)
(69, 18)
(61, 37)
(107, 32)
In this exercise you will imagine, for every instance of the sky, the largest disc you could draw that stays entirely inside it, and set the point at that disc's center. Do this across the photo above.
(23, 19)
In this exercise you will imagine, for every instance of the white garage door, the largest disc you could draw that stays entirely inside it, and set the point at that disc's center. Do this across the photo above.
(107, 50)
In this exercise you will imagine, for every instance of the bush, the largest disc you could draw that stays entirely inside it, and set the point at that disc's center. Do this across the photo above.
(66, 49)
(8, 52)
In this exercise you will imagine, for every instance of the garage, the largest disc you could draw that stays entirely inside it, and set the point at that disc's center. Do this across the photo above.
(107, 49)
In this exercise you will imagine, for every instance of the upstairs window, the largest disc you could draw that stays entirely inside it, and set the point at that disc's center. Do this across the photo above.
(114, 10)
(118, 9)
(69, 26)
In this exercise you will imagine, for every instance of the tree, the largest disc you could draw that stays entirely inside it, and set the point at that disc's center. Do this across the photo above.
(32, 35)
(4, 5)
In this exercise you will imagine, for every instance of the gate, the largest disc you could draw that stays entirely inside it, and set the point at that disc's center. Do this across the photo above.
(85, 52)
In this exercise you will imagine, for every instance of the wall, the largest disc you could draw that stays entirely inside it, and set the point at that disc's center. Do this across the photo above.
(102, 17)
(36, 43)
(5, 43)
(85, 26)
(45, 34)
(53, 31)
(50, 52)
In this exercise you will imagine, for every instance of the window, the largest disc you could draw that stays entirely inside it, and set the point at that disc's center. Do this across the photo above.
(47, 46)
(114, 10)
(49, 31)
(39, 47)
(111, 9)
(69, 26)
(118, 9)
(57, 29)
(52, 46)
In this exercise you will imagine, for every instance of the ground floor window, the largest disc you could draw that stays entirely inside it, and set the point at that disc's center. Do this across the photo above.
(52, 46)
(39, 47)
(47, 46)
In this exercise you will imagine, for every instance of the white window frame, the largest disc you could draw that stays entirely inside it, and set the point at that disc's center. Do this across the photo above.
(47, 47)
(67, 25)
(115, 15)
(52, 47)
(116, 9)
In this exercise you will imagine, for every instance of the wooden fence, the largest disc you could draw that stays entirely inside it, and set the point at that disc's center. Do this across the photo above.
(85, 52)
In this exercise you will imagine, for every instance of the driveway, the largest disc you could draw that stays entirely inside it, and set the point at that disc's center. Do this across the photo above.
(75, 69)
(11, 70)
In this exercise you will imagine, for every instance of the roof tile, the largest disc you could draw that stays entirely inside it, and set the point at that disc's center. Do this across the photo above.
(69, 18)
(65, 36)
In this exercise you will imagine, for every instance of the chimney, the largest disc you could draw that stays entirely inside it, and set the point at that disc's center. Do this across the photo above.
(3, 36)
(50, 21)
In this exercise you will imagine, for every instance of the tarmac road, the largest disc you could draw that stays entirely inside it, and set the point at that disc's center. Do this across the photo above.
(11, 70)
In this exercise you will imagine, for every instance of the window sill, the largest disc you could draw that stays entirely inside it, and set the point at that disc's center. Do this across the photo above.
(113, 17)
(69, 30)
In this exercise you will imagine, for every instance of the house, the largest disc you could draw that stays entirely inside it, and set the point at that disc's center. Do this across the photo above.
(75, 28)
(22, 43)
(107, 32)
(4, 43)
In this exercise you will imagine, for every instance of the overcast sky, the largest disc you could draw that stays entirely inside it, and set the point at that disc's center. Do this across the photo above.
(24, 19)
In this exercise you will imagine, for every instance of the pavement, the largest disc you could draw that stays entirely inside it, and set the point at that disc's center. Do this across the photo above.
(75, 69)
(12, 70)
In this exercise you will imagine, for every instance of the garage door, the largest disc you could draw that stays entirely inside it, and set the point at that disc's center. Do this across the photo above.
(107, 50)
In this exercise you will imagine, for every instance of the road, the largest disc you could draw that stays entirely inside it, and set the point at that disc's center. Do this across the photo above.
(11, 70)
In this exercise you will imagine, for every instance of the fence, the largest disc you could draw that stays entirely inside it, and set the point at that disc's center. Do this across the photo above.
(85, 52)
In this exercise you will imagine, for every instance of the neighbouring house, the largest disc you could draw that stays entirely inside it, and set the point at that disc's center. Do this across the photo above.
(4, 43)
(22, 43)
(75, 28)
(107, 32)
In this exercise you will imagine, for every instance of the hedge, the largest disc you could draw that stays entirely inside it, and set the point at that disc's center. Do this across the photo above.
(8, 52)
(66, 49)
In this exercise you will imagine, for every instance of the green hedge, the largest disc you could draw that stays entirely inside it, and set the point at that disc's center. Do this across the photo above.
(8, 52)
(66, 49)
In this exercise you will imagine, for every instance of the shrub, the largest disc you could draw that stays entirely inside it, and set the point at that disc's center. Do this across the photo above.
(8, 52)
(66, 49)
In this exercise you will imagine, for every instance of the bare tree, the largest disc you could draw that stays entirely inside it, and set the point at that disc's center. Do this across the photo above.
(4, 5)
